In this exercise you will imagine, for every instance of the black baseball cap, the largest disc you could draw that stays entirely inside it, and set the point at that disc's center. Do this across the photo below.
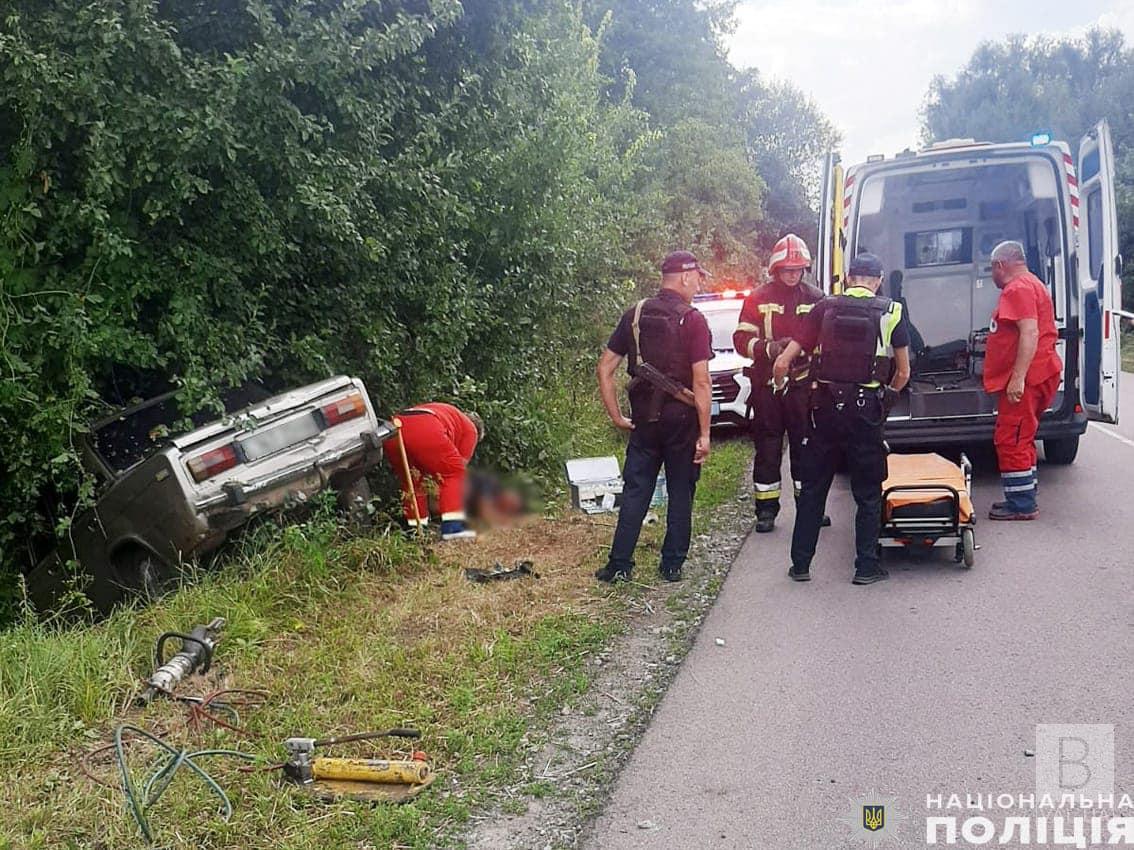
(865, 265)
(676, 262)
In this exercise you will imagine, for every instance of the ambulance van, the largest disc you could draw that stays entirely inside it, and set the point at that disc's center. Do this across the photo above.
(933, 217)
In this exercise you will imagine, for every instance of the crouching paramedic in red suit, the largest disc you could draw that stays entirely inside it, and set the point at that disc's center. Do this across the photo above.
(1023, 367)
(439, 441)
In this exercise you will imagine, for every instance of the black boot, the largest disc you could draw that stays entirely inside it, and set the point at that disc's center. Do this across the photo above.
(766, 511)
(610, 573)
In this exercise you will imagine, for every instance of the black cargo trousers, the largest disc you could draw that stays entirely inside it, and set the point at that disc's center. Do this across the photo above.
(671, 442)
(776, 414)
(846, 422)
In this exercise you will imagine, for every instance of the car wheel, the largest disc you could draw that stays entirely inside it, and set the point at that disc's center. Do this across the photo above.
(354, 501)
(1061, 451)
(139, 573)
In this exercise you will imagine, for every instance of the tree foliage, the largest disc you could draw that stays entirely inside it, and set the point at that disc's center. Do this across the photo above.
(445, 199)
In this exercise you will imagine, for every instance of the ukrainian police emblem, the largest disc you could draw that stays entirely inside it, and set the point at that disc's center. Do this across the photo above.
(874, 820)
(873, 817)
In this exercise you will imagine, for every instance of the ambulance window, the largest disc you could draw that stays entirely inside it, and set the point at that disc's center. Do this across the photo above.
(1089, 167)
(939, 247)
(1094, 233)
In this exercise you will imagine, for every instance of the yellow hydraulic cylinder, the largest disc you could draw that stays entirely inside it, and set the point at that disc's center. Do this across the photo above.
(370, 770)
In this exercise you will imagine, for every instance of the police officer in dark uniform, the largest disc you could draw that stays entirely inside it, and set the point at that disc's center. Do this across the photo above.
(860, 343)
(669, 346)
(769, 319)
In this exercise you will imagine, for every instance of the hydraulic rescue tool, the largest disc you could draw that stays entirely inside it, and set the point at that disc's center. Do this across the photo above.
(369, 780)
(195, 655)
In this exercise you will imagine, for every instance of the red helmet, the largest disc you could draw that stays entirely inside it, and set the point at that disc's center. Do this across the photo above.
(789, 253)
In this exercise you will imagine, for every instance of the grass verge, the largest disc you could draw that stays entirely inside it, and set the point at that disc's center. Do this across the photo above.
(345, 634)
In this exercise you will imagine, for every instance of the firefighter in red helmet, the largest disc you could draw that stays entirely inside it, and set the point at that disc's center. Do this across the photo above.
(769, 318)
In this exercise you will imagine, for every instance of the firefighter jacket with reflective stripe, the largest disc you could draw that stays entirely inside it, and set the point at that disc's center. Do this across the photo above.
(773, 313)
(855, 334)
(656, 327)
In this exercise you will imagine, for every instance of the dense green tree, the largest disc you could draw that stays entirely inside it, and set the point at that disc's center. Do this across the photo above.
(668, 57)
(786, 137)
(194, 194)
(448, 199)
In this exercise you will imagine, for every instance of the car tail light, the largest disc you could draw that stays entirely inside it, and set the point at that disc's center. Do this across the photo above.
(213, 463)
(350, 407)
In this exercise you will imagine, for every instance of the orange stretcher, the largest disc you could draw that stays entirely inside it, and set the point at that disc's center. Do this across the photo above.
(927, 502)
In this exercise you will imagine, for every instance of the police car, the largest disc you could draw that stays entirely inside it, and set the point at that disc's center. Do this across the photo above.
(934, 217)
(731, 386)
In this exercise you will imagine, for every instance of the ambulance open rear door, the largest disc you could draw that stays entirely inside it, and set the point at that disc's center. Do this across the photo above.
(1100, 281)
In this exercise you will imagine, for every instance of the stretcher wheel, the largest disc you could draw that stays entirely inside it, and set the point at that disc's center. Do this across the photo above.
(968, 547)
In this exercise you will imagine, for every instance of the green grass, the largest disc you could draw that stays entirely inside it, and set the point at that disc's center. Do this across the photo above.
(345, 634)
(1128, 351)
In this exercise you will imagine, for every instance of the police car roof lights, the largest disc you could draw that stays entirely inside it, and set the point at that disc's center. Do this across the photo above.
(722, 295)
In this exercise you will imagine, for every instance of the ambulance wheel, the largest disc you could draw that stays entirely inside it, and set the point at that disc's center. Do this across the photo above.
(1062, 451)
(968, 547)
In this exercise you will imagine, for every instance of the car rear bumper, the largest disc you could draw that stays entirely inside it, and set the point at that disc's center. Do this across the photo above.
(238, 500)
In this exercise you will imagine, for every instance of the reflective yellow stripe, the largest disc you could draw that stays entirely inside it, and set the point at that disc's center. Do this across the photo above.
(889, 321)
(803, 308)
(768, 310)
(767, 495)
(747, 327)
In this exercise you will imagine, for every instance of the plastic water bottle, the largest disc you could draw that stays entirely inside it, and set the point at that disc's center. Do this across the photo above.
(659, 497)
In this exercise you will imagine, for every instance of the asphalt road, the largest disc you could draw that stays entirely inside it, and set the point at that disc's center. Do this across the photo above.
(930, 683)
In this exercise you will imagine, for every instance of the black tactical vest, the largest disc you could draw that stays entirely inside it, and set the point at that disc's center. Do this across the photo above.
(657, 341)
(850, 340)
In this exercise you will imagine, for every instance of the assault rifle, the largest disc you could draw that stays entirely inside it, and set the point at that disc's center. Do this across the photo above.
(665, 383)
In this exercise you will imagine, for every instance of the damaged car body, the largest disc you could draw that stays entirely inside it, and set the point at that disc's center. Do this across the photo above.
(162, 501)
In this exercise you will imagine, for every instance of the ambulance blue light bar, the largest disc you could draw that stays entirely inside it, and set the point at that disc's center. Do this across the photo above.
(1041, 139)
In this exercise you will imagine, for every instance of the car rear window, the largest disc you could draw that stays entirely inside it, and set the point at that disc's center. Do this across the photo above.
(131, 438)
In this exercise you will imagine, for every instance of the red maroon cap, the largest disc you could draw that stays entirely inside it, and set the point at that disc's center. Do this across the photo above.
(676, 262)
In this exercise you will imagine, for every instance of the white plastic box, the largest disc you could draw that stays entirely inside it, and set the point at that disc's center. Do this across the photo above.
(595, 482)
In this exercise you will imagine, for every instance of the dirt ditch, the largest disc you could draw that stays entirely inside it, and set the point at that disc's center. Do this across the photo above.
(571, 764)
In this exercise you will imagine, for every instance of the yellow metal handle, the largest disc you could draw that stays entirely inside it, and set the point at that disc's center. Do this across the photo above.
(409, 476)
(371, 770)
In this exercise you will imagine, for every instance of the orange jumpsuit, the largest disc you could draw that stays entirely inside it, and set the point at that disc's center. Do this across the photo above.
(439, 441)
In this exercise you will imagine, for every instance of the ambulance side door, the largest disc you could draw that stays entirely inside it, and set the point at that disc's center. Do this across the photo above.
(1100, 283)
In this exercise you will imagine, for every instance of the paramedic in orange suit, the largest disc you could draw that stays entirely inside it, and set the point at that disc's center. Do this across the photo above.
(439, 441)
(1023, 368)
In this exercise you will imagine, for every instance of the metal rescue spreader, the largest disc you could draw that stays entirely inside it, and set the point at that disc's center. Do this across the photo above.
(927, 503)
